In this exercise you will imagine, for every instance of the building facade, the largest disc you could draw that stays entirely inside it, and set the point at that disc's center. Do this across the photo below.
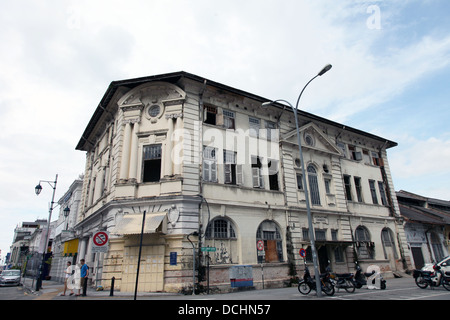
(211, 168)
(65, 243)
(427, 227)
(22, 244)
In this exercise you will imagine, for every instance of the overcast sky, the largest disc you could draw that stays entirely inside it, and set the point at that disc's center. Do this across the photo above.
(390, 76)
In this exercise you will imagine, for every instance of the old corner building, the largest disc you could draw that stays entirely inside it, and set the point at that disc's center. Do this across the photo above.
(211, 168)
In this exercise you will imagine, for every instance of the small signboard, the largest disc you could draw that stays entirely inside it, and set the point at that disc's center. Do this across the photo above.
(260, 245)
(100, 242)
(302, 253)
(208, 249)
(173, 258)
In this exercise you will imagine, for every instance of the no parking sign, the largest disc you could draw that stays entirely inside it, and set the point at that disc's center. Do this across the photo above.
(100, 241)
(302, 253)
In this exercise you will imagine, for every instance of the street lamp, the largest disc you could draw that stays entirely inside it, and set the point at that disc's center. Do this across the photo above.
(38, 190)
(305, 186)
(66, 212)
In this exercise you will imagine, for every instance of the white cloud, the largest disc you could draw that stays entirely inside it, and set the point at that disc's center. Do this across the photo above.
(421, 158)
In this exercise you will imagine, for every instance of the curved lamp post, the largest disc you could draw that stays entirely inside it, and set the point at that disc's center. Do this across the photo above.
(38, 190)
(305, 186)
(195, 234)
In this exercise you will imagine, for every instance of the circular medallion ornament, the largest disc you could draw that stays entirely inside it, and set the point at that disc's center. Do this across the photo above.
(154, 110)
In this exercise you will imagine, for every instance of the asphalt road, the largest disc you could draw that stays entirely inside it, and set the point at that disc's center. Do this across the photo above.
(397, 289)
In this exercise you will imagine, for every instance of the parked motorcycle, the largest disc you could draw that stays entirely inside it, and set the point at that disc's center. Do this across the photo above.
(343, 281)
(308, 283)
(359, 278)
(425, 278)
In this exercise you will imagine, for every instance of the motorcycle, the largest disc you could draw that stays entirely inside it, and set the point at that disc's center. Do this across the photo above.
(359, 278)
(425, 278)
(343, 281)
(308, 283)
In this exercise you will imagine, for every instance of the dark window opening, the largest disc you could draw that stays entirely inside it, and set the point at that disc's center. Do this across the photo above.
(152, 163)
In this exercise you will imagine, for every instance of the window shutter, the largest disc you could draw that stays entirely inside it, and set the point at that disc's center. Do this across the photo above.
(206, 169)
(227, 169)
(219, 120)
(255, 175)
(213, 167)
(239, 175)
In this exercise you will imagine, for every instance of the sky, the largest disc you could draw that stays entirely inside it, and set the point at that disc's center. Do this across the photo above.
(390, 76)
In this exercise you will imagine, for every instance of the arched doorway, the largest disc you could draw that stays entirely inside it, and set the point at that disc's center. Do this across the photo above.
(269, 232)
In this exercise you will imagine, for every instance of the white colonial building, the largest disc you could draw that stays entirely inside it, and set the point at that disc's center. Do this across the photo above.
(204, 160)
(65, 243)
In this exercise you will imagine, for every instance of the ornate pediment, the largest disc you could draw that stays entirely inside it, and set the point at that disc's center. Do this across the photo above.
(312, 138)
(152, 93)
(154, 99)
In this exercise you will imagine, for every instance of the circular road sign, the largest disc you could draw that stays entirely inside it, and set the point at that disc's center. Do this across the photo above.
(302, 253)
(100, 238)
(260, 245)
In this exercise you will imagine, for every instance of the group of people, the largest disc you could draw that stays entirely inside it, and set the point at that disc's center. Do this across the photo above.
(75, 277)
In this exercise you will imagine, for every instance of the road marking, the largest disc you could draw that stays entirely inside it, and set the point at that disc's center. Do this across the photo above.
(369, 292)
(424, 297)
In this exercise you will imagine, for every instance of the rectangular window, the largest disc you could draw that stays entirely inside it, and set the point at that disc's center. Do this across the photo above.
(271, 132)
(209, 115)
(334, 235)
(257, 177)
(348, 188)
(228, 119)
(254, 125)
(229, 159)
(358, 189)
(376, 160)
(373, 191)
(338, 254)
(382, 193)
(152, 163)
(354, 154)
(342, 147)
(305, 234)
(209, 164)
(320, 234)
(273, 175)
(299, 181)
(327, 185)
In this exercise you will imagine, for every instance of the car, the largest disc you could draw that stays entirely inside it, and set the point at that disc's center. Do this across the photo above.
(10, 277)
(444, 264)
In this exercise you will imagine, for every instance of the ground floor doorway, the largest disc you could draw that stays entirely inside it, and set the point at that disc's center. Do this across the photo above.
(323, 258)
(151, 273)
(417, 254)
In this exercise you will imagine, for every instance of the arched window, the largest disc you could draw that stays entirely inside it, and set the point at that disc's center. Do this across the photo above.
(364, 246)
(269, 233)
(387, 239)
(220, 234)
(313, 185)
(220, 229)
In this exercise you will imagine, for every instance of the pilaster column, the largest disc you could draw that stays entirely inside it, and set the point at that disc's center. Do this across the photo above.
(125, 163)
(168, 161)
(134, 152)
(178, 154)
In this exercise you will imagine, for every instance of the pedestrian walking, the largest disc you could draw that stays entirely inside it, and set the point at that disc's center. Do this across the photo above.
(84, 273)
(68, 277)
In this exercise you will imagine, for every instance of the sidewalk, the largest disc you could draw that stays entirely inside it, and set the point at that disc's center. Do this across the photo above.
(52, 290)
